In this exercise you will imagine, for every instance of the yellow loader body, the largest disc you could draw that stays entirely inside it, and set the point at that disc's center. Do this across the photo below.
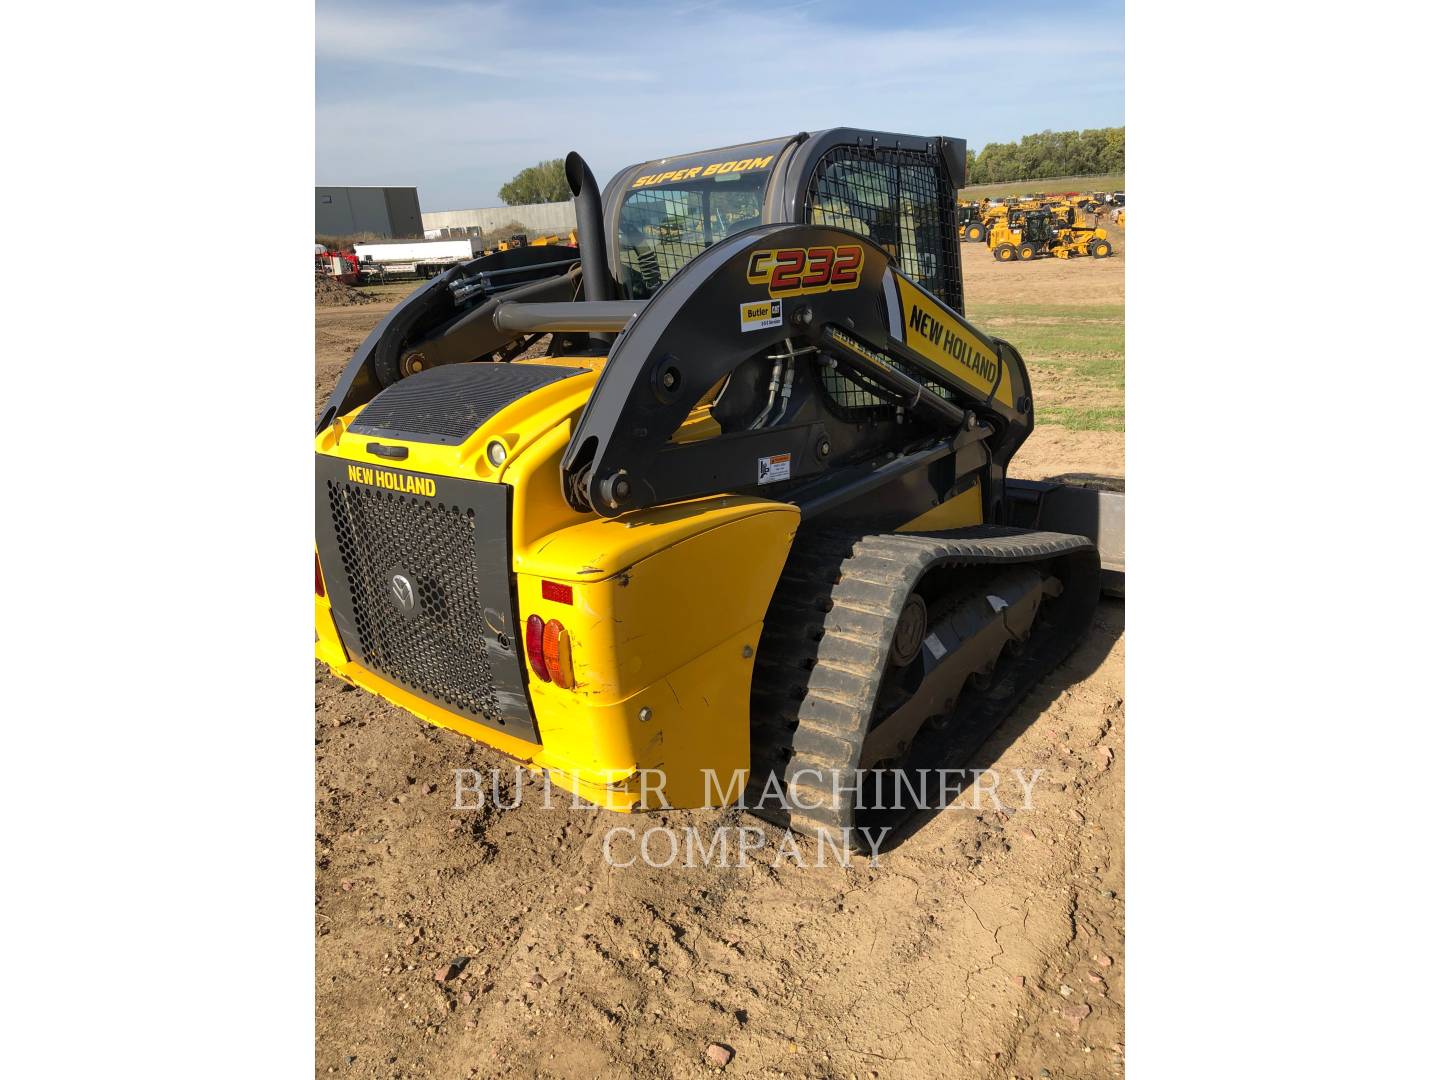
(745, 526)
(666, 612)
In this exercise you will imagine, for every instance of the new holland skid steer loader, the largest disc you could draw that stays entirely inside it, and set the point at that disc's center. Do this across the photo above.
(744, 531)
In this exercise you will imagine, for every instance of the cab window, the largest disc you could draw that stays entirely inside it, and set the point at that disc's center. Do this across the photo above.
(662, 229)
(898, 199)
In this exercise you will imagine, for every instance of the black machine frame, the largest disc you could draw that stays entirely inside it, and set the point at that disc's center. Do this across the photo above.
(619, 459)
(687, 339)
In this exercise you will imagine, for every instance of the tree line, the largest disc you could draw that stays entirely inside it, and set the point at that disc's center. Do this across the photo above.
(1050, 153)
(542, 183)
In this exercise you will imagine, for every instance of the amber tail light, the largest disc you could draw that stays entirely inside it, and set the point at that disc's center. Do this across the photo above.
(556, 649)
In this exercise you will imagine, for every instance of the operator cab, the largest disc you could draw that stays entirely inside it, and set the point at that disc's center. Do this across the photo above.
(896, 190)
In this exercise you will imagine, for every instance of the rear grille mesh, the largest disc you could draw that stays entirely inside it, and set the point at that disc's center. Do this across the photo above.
(439, 652)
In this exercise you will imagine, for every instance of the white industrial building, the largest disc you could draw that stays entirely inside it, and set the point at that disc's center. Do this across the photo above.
(541, 218)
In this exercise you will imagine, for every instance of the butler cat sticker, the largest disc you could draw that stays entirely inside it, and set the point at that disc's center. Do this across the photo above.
(759, 315)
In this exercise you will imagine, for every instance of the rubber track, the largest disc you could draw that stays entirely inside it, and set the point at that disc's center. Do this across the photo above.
(824, 652)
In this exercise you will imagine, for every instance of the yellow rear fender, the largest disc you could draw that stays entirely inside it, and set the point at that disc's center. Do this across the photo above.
(663, 610)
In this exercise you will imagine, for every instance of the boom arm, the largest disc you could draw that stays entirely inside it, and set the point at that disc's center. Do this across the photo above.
(450, 319)
(821, 297)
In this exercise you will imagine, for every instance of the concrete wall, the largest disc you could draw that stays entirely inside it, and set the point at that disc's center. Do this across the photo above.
(538, 218)
(388, 212)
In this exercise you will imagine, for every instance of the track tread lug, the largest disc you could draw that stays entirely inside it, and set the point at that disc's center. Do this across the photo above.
(842, 595)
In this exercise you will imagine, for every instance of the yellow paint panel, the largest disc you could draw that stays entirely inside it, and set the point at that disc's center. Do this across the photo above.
(517, 425)
(950, 344)
(699, 719)
(959, 512)
(1005, 392)
(697, 427)
(597, 547)
(629, 630)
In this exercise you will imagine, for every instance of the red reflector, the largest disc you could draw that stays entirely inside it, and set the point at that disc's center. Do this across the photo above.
(535, 647)
(319, 581)
(553, 590)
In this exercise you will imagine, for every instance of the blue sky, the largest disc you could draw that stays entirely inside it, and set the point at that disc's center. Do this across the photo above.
(454, 98)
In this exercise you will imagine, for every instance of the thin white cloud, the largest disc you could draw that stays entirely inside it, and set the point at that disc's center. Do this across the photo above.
(625, 85)
(468, 39)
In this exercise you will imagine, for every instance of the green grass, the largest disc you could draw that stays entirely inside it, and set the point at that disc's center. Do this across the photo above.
(978, 311)
(1103, 418)
(1076, 358)
(1110, 182)
(1059, 339)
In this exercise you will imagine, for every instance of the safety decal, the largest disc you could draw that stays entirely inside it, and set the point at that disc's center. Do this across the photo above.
(760, 315)
(774, 468)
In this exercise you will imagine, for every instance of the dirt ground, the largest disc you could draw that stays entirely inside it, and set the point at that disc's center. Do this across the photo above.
(990, 943)
(330, 292)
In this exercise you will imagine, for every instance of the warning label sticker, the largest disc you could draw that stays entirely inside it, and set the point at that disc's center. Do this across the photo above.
(760, 315)
(774, 468)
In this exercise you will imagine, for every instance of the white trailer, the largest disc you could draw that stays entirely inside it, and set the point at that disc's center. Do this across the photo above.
(424, 257)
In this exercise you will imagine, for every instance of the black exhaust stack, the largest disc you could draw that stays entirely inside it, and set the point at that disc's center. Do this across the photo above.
(590, 223)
